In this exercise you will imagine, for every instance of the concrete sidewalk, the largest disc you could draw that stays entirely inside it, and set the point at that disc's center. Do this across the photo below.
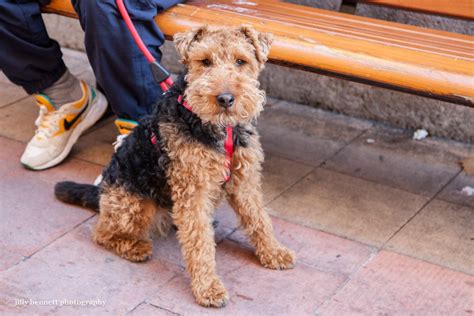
(377, 220)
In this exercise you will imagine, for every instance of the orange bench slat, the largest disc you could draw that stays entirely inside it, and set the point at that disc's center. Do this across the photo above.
(455, 8)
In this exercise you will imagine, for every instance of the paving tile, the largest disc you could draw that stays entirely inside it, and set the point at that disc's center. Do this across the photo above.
(31, 222)
(32, 217)
(395, 159)
(96, 146)
(70, 169)
(305, 134)
(75, 268)
(3, 78)
(442, 233)
(168, 248)
(10, 93)
(253, 289)
(347, 206)
(257, 290)
(279, 174)
(316, 248)
(147, 309)
(18, 120)
(10, 155)
(393, 284)
(227, 221)
(453, 191)
(9, 259)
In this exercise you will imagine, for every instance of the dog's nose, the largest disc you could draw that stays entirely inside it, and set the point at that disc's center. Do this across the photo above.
(225, 100)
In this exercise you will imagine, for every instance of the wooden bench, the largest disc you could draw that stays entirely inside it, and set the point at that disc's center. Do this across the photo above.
(458, 8)
(417, 60)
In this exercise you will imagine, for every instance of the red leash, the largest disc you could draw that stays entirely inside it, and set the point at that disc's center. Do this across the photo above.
(162, 76)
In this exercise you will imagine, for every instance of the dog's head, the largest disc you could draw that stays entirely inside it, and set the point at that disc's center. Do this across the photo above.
(223, 66)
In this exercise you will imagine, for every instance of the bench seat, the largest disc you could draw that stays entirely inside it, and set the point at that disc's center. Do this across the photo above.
(417, 60)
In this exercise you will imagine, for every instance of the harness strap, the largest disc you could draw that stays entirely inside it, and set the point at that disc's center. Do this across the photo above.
(185, 104)
(228, 143)
(229, 151)
(153, 139)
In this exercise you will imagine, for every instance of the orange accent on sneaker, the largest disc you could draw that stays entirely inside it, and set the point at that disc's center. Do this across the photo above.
(80, 103)
(72, 120)
(44, 100)
(125, 126)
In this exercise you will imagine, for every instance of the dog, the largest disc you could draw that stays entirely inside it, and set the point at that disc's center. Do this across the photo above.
(176, 163)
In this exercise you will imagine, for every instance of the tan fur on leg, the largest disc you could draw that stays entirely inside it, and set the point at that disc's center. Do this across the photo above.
(161, 224)
(244, 194)
(124, 223)
(195, 184)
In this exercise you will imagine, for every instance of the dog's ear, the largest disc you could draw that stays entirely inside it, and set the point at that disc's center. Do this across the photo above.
(183, 41)
(261, 41)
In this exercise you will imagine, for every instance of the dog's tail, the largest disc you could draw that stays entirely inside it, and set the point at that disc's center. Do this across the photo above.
(85, 195)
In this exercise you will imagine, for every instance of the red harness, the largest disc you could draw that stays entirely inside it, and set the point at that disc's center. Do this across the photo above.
(228, 144)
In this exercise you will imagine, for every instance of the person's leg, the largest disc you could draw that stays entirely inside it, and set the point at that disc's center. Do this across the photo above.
(31, 59)
(28, 57)
(120, 68)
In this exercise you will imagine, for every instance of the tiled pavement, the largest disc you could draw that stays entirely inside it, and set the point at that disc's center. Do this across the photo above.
(378, 227)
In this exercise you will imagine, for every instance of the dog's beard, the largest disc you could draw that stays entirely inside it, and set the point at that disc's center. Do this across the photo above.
(249, 101)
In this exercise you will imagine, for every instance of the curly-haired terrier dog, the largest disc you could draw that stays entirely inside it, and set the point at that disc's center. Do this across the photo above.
(176, 162)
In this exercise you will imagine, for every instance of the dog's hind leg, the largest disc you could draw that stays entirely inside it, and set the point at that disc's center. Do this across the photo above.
(124, 223)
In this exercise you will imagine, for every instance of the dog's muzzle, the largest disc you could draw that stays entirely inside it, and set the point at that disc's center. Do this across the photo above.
(225, 100)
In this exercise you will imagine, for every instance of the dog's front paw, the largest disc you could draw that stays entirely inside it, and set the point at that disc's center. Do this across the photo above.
(139, 252)
(279, 258)
(214, 295)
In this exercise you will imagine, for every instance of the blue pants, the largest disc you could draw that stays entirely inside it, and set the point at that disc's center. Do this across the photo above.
(29, 58)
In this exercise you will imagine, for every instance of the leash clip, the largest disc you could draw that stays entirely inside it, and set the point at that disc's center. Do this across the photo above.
(159, 72)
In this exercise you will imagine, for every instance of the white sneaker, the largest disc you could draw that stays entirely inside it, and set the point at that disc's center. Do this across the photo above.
(58, 130)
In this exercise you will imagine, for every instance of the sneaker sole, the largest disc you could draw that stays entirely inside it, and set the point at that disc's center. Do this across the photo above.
(95, 113)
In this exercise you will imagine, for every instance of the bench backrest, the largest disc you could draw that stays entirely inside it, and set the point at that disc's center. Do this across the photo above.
(455, 8)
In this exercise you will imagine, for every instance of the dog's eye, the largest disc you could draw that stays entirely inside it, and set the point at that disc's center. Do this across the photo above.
(206, 62)
(240, 62)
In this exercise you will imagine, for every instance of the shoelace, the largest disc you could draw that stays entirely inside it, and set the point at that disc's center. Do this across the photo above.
(47, 122)
(118, 142)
